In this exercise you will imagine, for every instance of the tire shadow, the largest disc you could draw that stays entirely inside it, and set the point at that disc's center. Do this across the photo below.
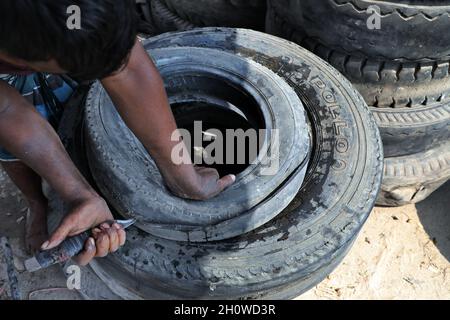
(434, 214)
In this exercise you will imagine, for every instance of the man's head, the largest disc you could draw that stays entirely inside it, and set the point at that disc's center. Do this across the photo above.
(36, 33)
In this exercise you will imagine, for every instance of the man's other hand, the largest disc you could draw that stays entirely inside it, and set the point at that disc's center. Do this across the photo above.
(204, 184)
(93, 214)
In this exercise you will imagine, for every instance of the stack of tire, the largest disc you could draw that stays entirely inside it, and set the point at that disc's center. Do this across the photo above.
(400, 66)
(265, 237)
(181, 15)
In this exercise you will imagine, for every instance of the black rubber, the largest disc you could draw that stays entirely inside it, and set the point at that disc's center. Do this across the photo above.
(296, 250)
(411, 179)
(165, 20)
(403, 26)
(248, 14)
(407, 131)
(147, 26)
(131, 181)
(409, 101)
(144, 10)
(383, 83)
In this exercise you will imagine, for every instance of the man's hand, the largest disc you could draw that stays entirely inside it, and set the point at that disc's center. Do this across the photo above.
(94, 214)
(204, 184)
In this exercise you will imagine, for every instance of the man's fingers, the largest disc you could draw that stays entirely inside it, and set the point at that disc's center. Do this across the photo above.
(213, 172)
(88, 254)
(113, 239)
(102, 244)
(96, 232)
(105, 240)
(226, 181)
(200, 169)
(58, 236)
(121, 233)
(206, 170)
(221, 185)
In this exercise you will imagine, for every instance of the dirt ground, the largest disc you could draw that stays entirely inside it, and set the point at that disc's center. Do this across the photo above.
(402, 253)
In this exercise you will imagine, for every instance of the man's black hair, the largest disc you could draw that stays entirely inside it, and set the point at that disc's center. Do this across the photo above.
(36, 30)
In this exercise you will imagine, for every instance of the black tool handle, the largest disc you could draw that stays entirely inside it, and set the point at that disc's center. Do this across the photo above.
(66, 250)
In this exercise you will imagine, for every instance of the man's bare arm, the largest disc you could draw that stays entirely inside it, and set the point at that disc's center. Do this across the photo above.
(28, 136)
(139, 95)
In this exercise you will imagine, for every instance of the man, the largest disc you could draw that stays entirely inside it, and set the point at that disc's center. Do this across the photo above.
(34, 37)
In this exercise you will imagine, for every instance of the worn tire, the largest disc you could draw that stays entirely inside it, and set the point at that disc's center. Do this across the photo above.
(408, 131)
(302, 245)
(220, 13)
(383, 83)
(412, 124)
(146, 27)
(411, 179)
(166, 20)
(131, 181)
(403, 25)
(96, 282)
(184, 15)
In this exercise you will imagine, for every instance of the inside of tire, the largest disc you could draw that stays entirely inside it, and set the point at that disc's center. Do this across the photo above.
(202, 104)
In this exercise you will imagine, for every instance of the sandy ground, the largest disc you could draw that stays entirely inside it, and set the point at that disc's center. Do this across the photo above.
(401, 253)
